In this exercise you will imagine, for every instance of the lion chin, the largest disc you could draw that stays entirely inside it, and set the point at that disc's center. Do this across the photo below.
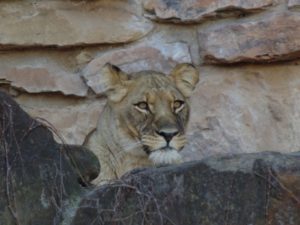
(165, 156)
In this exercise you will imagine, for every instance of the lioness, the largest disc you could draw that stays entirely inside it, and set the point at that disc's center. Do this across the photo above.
(144, 120)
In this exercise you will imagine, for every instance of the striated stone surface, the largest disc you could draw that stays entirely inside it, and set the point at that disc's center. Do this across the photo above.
(186, 11)
(73, 120)
(273, 38)
(40, 71)
(67, 23)
(40, 79)
(156, 56)
(294, 3)
(245, 109)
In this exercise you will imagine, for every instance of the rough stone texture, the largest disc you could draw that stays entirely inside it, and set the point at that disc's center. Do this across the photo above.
(73, 123)
(156, 56)
(68, 23)
(267, 117)
(293, 3)
(245, 109)
(37, 75)
(242, 189)
(39, 178)
(272, 38)
(37, 80)
(186, 11)
(37, 72)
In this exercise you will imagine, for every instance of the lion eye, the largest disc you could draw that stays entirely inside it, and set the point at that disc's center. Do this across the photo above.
(178, 105)
(142, 105)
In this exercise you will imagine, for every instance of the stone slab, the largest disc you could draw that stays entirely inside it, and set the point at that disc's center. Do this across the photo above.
(27, 24)
(272, 38)
(186, 11)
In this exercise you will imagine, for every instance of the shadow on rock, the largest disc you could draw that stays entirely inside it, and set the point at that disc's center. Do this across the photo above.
(41, 180)
(258, 189)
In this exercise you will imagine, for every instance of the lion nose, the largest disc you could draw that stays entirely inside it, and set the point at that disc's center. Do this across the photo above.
(168, 135)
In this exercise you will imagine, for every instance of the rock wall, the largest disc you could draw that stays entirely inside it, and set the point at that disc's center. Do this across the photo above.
(248, 53)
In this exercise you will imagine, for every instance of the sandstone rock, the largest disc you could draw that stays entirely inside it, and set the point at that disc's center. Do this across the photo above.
(272, 38)
(39, 178)
(73, 120)
(66, 23)
(244, 109)
(293, 3)
(43, 79)
(242, 189)
(155, 56)
(42, 71)
(185, 11)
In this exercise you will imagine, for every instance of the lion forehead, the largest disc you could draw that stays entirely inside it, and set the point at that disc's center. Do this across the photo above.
(153, 89)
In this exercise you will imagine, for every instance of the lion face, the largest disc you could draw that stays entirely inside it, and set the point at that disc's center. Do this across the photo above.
(151, 110)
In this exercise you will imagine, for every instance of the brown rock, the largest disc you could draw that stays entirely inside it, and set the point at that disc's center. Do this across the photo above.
(155, 56)
(41, 79)
(72, 119)
(273, 38)
(245, 109)
(185, 11)
(66, 23)
(42, 71)
(294, 3)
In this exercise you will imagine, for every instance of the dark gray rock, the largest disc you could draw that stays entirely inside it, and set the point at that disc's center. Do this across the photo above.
(85, 163)
(246, 189)
(39, 178)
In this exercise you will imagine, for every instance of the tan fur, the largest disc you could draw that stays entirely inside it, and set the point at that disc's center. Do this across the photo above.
(144, 120)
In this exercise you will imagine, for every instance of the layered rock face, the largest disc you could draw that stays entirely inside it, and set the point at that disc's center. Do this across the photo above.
(200, 11)
(247, 53)
(67, 23)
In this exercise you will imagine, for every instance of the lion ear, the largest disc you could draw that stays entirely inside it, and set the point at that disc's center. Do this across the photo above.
(186, 77)
(112, 82)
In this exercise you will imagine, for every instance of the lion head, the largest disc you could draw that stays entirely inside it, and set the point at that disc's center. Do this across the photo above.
(150, 110)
